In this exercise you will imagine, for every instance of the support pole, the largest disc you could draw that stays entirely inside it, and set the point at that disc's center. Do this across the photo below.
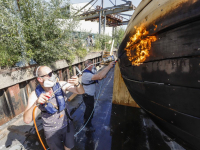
(100, 22)
(112, 32)
(104, 29)
(101, 12)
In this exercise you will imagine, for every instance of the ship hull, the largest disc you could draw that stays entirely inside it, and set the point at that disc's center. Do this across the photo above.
(167, 83)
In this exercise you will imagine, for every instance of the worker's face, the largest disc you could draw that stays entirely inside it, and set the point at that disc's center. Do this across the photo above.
(46, 73)
(90, 68)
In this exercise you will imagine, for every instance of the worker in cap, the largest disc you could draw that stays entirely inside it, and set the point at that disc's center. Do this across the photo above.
(89, 80)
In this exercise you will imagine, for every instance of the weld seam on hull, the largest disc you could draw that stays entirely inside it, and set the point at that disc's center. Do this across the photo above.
(149, 82)
(172, 109)
(168, 122)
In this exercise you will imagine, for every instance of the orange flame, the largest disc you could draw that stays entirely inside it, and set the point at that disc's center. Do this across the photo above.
(138, 47)
(155, 27)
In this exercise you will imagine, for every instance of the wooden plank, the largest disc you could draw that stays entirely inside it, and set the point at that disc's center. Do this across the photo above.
(187, 140)
(187, 123)
(138, 9)
(180, 72)
(181, 99)
(74, 70)
(163, 13)
(121, 95)
(169, 16)
(179, 42)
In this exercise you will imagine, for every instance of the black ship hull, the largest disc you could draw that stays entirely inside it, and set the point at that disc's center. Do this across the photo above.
(165, 80)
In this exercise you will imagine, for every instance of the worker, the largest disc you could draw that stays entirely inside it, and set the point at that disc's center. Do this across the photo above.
(89, 79)
(88, 41)
(57, 124)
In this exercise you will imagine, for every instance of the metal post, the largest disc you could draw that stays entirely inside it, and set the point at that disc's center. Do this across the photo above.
(113, 32)
(104, 29)
(100, 18)
(100, 22)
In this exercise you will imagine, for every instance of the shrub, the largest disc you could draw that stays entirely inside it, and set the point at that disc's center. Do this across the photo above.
(35, 29)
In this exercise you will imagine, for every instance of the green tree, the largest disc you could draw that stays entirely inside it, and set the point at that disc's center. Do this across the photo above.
(10, 40)
(38, 29)
(47, 31)
(118, 36)
(101, 42)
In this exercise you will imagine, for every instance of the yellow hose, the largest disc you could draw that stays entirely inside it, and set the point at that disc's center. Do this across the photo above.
(37, 128)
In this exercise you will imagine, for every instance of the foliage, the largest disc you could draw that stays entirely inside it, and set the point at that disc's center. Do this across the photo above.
(118, 36)
(10, 40)
(80, 49)
(45, 36)
(102, 42)
(35, 29)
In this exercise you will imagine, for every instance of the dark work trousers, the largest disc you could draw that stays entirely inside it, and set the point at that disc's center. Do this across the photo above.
(89, 103)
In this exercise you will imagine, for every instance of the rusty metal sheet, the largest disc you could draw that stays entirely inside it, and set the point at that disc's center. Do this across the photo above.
(80, 68)
(74, 70)
(32, 84)
(15, 96)
(68, 73)
(60, 75)
(5, 113)
(64, 73)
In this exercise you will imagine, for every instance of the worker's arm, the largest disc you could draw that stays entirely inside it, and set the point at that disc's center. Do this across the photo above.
(100, 75)
(32, 102)
(70, 86)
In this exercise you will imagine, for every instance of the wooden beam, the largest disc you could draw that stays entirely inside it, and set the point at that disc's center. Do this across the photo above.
(121, 94)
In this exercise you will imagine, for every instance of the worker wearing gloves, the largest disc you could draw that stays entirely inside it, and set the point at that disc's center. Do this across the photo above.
(58, 128)
(89, 80)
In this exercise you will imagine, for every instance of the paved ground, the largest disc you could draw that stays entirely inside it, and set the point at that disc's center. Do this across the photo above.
(117, 127)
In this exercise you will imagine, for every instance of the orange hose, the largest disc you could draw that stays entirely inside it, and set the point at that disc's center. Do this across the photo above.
(37, 128)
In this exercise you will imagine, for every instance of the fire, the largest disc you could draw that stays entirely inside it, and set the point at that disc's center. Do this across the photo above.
(155, 27)
(138, 47)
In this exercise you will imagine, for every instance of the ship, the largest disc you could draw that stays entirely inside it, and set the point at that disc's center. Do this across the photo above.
(159, 59)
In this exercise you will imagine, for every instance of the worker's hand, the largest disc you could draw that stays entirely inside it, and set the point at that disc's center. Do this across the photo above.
(111, 64)
(73, 80)
(43, 98)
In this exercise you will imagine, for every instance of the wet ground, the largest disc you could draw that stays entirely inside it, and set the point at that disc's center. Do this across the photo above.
(116, 127)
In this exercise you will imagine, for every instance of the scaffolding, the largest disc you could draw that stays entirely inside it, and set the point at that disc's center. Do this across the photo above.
(107, 16)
